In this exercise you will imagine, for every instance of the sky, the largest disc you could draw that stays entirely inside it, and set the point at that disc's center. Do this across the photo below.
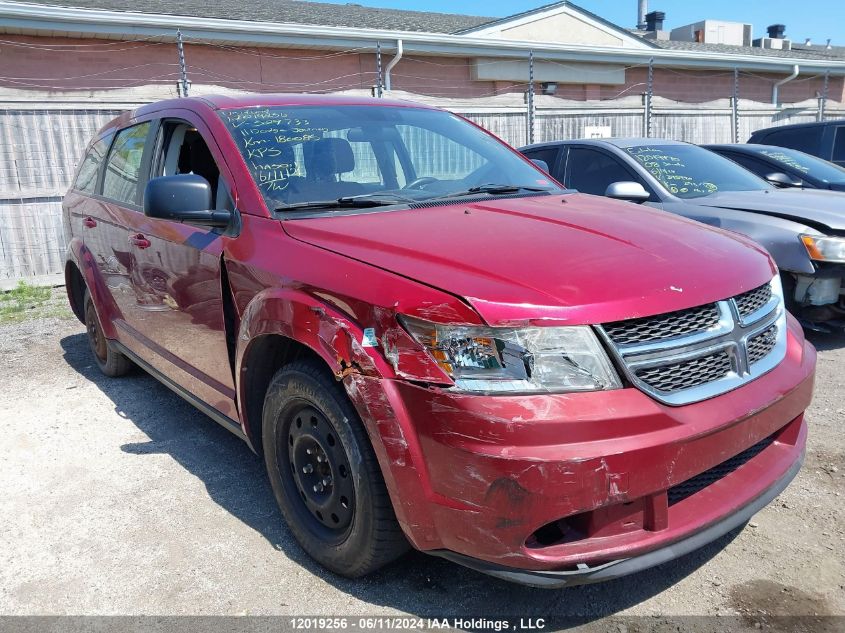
(817, 19)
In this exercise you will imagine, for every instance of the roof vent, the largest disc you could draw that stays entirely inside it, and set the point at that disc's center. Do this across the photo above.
(654, 21)
(776, 31)
(808, 42)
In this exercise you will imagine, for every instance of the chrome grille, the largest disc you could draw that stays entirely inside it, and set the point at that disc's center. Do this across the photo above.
(691, 373)
(663, 326)
(749, 302)
(691, 355)
(760, 345)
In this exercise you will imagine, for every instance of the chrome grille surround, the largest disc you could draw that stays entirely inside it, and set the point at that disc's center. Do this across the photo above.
(690, 367)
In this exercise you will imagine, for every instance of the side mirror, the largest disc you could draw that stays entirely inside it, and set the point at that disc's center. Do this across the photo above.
(183, 198)
(779, 179)
(541, 164)
(627, 190)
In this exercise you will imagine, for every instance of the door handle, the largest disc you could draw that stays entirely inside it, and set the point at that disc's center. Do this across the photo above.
(89, 222)
(139, 240)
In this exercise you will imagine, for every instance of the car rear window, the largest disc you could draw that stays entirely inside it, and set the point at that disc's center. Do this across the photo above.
(804, 139)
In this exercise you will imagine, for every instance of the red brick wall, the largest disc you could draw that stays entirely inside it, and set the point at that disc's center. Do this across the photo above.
(61, 64)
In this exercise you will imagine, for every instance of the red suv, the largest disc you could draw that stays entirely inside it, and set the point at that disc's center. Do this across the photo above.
(432, 343)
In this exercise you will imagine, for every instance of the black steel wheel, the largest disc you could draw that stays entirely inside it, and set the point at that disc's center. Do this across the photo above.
(325, 474)
(320, 470)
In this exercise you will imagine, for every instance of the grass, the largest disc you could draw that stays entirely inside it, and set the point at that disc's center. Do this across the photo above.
(32, 302)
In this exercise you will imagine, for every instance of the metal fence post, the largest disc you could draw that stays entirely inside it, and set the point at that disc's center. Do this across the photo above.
(649, 93)
(530, 130)
(735, 107)
(379, 79)
(823, 98)
(183, 69)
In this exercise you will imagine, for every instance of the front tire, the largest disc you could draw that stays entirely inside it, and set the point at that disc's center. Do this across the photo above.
(111, 362)
(325, 475)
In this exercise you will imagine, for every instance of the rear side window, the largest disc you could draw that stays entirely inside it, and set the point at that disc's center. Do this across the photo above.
(89, 170)
(839, 146)
(123, 168)
(804, 139)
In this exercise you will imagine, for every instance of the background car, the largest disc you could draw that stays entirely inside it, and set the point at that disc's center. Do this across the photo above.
(823, 139)
(784, 167)
(803, 230)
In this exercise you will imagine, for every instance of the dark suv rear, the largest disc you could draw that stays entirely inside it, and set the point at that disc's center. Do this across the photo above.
(825, 140)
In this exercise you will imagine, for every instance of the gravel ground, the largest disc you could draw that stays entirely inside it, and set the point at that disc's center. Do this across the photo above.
(119, 498)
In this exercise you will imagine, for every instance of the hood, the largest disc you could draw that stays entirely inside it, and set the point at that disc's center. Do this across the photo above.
(574, 259)
(825, 209)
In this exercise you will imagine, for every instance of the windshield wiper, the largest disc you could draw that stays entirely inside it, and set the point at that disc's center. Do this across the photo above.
(363, 201)
(491, 188)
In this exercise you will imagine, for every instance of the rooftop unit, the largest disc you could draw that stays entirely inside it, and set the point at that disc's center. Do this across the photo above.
(775, 40)
(714, 32)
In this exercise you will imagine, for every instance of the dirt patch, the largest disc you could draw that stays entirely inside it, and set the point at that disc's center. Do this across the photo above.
(773, 606)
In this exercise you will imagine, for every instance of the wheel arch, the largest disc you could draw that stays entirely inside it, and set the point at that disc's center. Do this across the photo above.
(280, 326)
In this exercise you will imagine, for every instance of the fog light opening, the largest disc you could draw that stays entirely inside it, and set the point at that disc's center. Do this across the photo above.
(554, 533)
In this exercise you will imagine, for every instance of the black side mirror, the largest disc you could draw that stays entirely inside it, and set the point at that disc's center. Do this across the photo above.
(779, 179)
(541, 164)
(183, 198)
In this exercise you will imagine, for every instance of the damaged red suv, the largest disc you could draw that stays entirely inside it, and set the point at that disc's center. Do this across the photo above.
(432, 344)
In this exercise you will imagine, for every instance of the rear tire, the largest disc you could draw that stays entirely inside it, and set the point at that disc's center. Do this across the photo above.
(111, 362)
(325, 475)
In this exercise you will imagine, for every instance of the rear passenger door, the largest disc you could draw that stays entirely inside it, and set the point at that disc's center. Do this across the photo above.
(110, 213)
(177, 319)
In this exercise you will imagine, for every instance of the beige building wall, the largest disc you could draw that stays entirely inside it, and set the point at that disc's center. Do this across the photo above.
(561, 28)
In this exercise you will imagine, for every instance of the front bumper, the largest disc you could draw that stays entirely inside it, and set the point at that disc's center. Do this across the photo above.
(569, 488)
(623, 567)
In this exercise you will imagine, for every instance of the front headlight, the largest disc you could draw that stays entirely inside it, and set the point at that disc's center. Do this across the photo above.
(524, 360)
(825, 249)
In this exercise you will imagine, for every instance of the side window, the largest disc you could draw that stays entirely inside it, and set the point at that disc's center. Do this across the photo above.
(546, 154)
(185, 151)
(839, 146)
(592, 171)
(89, 170)
(123, 168)
(759, 167)
(805, 139)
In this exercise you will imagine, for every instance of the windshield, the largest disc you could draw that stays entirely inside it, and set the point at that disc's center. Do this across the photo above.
(805, 164)
(689, 171)
(364, 156)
